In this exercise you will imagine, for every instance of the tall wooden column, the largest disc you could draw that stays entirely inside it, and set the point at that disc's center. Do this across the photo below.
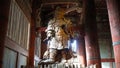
(113, 7)
(4, 14)
(81, 47)
(32, 43)
(91, 40)
(32, 37)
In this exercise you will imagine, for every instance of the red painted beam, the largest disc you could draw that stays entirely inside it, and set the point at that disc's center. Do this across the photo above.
(108, 60)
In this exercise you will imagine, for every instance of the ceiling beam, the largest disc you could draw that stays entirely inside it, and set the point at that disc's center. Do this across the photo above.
(55, 3)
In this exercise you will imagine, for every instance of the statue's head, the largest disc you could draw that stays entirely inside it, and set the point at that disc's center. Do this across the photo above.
(50, 33)
(59, 12)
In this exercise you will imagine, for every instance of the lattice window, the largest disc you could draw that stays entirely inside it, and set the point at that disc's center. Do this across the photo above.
(18, 25)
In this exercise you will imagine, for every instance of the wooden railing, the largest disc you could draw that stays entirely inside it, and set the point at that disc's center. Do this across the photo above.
(65, 65)
(62, 65)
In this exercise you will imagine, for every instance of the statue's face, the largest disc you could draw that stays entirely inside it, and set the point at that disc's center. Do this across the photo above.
(50, 34)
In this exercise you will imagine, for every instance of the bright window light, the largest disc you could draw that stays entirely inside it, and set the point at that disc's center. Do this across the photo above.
(74, 46)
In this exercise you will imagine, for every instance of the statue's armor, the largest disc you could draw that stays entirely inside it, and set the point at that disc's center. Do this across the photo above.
(52, 43)
(61, 31)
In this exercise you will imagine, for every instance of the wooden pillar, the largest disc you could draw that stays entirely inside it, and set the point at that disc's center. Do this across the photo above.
(32, 43)
(81, 47)
(91, 40)
(4, 14)
(113, 7)
(32, 37)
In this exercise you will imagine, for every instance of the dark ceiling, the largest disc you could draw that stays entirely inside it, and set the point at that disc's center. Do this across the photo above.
(48, 7)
